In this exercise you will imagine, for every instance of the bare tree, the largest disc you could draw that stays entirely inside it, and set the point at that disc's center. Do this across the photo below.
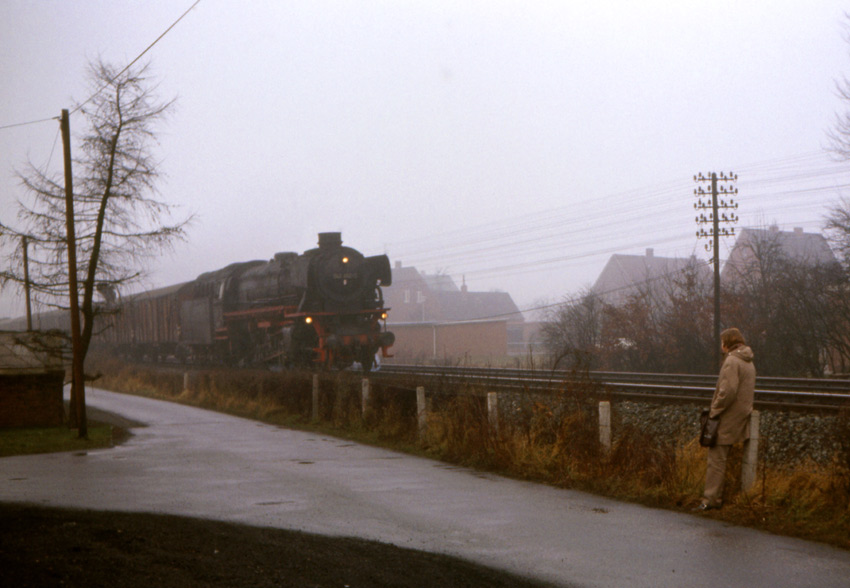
(816, 308)
(688, 342)
(752, 287)
(837, 229)
(571, 330)
(792, 306)
(839, 135)
(119, 221)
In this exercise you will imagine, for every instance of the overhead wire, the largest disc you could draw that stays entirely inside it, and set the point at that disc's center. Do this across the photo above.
(90, 98)
(100, 89)
(486, 247)
(495, 248)
(519, 245)
(31, 122)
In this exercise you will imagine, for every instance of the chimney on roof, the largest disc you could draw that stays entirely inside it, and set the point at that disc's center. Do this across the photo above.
(798, 230)
(463, 287)
(397, 264)
(650, 252)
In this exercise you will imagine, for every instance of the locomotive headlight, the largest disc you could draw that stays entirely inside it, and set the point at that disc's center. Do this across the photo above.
(308, 320)
(384, 315)
(344, 260)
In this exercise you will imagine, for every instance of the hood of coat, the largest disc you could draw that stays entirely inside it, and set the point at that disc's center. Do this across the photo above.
(743, 352)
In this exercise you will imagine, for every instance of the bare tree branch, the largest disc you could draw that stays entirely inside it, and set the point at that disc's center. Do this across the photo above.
(120, 222)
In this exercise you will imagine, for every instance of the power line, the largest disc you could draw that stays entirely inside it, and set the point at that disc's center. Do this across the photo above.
(32, 122)
(99, 90)
(524, 244)
(129, 65)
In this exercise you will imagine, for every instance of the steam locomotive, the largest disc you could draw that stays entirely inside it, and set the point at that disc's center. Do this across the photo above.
(323, 308)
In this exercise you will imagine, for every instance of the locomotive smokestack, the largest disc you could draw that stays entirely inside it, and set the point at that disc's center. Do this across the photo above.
(330, 240)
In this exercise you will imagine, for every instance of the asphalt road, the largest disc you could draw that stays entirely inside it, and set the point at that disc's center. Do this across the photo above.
(189, 461)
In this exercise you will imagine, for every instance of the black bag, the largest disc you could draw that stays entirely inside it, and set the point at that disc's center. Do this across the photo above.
(708, 429)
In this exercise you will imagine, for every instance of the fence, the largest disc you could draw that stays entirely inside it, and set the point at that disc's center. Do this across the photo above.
(751, 446)
(749, 462)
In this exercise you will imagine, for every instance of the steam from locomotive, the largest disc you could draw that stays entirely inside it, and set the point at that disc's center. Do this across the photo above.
(323, 308)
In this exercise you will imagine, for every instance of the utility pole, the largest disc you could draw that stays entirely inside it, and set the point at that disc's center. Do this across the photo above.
(727, 189)
(25, 247)
(78, 393)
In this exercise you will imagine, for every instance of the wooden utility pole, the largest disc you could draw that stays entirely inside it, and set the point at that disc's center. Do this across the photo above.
(715, 217)
(25, 247)
(78, 393)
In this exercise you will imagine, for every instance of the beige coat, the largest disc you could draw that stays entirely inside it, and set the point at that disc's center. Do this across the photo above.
(733, 396)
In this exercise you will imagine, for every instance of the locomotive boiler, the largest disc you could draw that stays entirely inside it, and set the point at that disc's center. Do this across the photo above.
(322, 308)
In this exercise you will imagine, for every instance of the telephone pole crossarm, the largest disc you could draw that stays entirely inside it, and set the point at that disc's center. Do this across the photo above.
(713, 211)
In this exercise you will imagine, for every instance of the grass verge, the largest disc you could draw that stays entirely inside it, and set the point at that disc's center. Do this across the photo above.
(28, 441)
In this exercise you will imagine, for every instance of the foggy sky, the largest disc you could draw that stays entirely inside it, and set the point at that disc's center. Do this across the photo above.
(516, 145)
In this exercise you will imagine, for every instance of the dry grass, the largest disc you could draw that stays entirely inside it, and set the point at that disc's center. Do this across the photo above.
(554, 442)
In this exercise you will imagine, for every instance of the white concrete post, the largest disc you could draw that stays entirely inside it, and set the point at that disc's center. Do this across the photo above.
(185, 381)
(749, 467)
(365, 395)
(605, 424)
(421, 411)
(493, 411)
(315, 397)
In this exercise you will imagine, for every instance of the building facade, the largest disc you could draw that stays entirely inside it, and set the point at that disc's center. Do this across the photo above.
(435, 320)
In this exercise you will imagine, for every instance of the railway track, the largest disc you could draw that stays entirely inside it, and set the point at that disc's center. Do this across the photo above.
(797, 393)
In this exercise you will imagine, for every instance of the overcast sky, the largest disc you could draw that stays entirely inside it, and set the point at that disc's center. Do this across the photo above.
(516, 145)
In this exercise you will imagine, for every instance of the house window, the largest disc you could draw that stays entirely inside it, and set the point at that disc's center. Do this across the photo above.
(420, 298)
(407, 296)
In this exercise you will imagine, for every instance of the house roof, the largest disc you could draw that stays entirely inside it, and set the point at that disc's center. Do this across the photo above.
(405, 276)
(440, 282)
(470, 306)
(445, 301)
(810, 248)
(29, 353)
(623, 274)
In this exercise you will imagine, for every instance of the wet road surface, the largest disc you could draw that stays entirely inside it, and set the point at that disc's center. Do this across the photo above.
(189, 461)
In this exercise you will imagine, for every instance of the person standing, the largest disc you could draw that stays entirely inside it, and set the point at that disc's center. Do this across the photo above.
(732, 404)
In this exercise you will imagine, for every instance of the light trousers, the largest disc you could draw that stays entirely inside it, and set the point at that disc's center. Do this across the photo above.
(715, 474)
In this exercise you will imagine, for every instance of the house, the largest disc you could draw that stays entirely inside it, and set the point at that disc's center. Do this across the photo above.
(755, 246)
(433, 318)
(796, 280)
(31, 379)
(625, 276)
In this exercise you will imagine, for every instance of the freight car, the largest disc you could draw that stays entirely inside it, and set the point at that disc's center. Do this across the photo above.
(322, 308)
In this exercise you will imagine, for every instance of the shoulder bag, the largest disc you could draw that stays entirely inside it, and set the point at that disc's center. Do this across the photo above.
(708, 429)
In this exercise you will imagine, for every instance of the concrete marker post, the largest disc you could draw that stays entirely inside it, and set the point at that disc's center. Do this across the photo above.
(605, 424)
(185, 382)
(421, 411)
(749, 466)
(315, 397)
(493, 411)
(364, 395)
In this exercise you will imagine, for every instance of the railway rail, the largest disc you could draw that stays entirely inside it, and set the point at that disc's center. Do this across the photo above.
(797, 393)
